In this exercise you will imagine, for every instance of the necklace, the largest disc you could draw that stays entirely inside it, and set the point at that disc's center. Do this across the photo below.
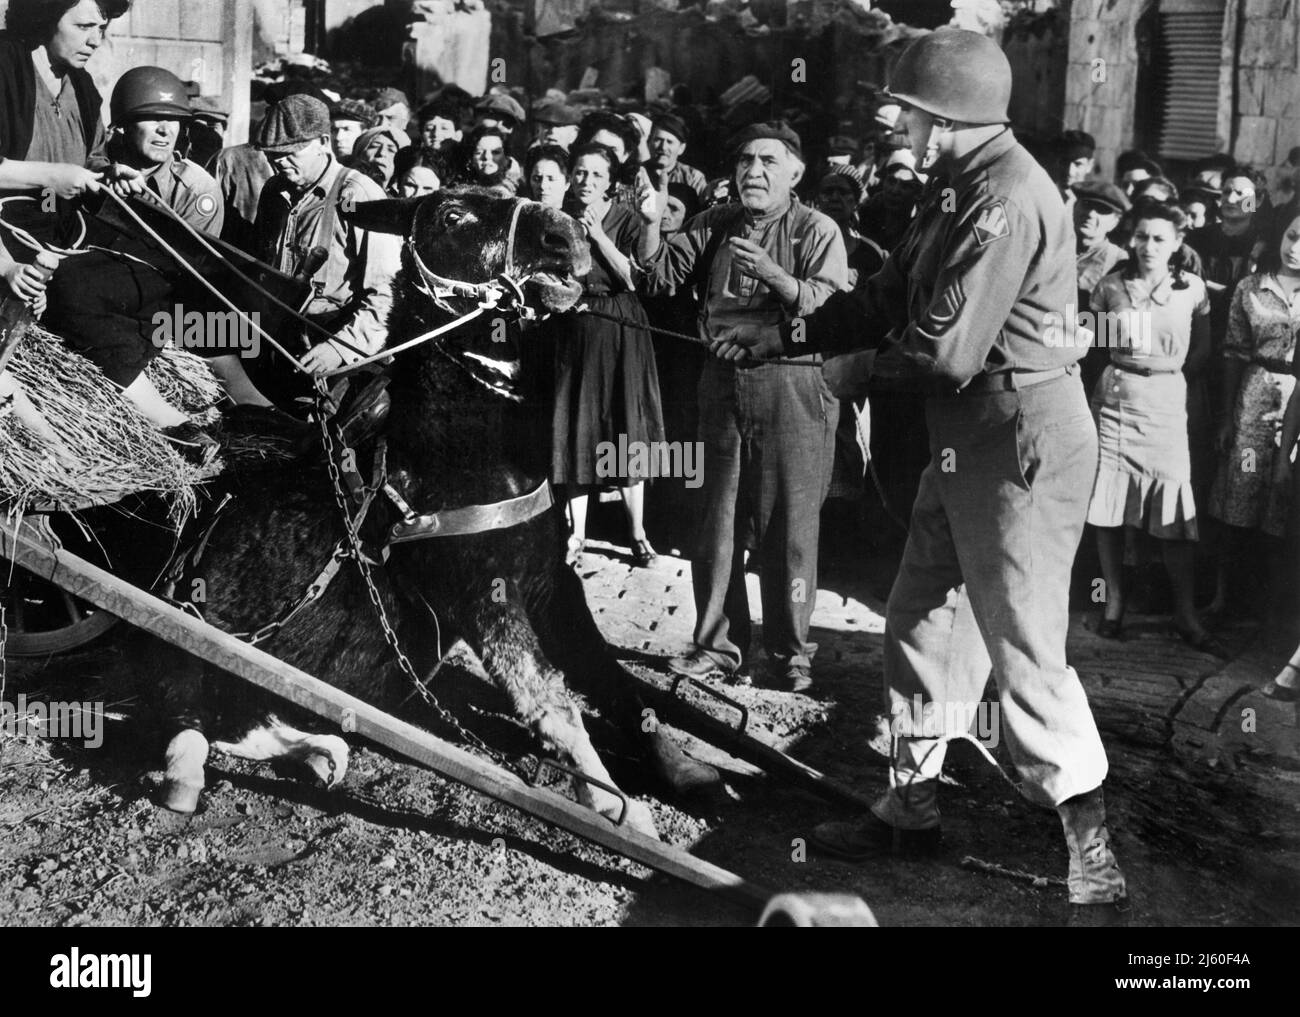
(56, 96)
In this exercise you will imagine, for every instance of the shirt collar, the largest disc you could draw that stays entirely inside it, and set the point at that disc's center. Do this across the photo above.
(769, 217)
(320, 188)
(1160, 294)
(974, 161)
(1269, 281)
(172, 166)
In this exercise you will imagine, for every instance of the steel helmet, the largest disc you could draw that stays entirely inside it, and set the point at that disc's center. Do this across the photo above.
(144, 92)
(954, 74)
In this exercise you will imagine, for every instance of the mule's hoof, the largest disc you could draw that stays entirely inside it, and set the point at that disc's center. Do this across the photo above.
(678, 770)
(178, 797)
(640, 819)
(329, 762)
(611, 807)
(182, 784)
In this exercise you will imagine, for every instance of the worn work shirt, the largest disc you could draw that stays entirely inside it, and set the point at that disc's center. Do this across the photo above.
(802, 241)
(982, 273)
(190, 192)
(355, 285)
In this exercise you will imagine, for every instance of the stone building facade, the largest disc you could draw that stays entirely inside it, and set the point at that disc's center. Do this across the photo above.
(1131, 62)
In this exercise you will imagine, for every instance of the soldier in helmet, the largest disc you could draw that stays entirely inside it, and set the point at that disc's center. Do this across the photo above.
(148, 108)
(969, 307)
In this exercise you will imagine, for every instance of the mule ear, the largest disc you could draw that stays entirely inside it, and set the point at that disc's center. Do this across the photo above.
(391, 215)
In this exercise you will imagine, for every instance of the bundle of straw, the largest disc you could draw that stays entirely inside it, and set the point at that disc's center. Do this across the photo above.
(98, 447)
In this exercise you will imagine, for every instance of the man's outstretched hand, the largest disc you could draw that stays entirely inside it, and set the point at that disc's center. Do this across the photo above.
(747, 343)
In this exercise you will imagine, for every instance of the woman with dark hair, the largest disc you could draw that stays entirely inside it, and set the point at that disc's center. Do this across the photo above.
(620, 136)
(52, 140)
(1154, 319)
(417, 171)
(1252, 488)
(606, 385)
(546, 174)
(484, 161)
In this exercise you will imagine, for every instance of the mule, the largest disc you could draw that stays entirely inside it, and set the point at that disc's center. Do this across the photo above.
(453, 435)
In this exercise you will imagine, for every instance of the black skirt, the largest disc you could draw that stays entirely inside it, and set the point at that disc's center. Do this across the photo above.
(606, 389)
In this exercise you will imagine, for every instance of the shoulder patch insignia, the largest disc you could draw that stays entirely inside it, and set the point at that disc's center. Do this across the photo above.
(992, 224)
(207, 204)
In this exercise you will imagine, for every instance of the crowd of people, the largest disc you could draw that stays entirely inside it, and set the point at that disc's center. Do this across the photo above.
(1193, 409)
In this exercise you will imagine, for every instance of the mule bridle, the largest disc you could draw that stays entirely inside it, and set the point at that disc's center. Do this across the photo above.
(509, 284)
(505, 292)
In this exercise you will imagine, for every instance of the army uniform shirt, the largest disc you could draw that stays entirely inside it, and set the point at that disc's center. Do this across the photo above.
(974, 285)
(190, 192)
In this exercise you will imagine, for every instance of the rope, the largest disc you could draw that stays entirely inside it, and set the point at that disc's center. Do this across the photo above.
(783, 361)
(786, 362)
(204, 282)
(249, 280)
(27, 240)
(392, 351)
(366, 359)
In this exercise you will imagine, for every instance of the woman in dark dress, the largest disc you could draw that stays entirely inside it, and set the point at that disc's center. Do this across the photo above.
(607, 424)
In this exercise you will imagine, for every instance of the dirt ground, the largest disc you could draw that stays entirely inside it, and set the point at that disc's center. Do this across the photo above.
(1208, 832)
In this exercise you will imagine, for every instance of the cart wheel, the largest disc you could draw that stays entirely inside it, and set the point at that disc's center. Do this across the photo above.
(43, 619)
(817, 910)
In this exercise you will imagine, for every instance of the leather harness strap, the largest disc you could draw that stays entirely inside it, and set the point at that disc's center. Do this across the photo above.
(461, 522)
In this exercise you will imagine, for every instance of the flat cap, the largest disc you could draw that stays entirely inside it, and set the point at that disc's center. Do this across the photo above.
(1101, 191)
(501, 104)
(353, 109)
(671, 123)
(292, 122)
(777, 130)
(209, 107)
(556, 112)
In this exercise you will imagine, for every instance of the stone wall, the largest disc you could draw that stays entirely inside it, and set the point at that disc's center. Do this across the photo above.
(1259, 90)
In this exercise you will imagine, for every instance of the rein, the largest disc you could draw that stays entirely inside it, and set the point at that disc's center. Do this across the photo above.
(685, 336)
(504, 292)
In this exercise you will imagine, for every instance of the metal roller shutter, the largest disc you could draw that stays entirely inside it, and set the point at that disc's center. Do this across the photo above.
(1191, 43)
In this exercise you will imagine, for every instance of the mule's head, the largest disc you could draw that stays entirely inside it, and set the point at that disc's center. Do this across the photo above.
(471, 235)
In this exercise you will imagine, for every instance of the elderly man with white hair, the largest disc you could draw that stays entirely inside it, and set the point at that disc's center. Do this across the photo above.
(768, 430)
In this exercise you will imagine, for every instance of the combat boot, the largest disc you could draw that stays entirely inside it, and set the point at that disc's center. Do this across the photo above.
(1097, 890)
(904, 821)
